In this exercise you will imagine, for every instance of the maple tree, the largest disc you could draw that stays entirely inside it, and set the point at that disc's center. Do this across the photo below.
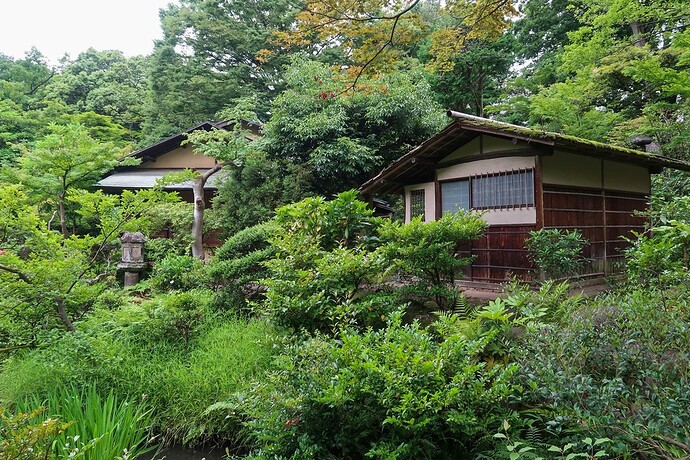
(375, 34)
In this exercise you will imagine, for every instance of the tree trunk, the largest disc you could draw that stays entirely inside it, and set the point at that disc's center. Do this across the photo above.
(638, 33)
(199, 206)
(63, 314)
(63, 219)
(198, 224)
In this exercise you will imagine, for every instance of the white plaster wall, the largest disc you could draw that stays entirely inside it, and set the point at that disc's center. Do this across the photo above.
(429, 200)
(497, 144)
(524, 216)
(564, 168)
(471, 148)
(488, 144)
(626, 177)
(181, 157)
(485, 167)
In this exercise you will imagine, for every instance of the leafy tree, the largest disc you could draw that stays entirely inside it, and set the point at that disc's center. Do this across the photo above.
(228, 147)
(254, 188)
(476, 76)
(46, 277)
(182, 93)
(619, 64)
(541, 32)
(376, 34)
(209, 58)
(22, 88)
(106, 83)
(16, 127)
(342, 138)
(68, 158)
(24, 80)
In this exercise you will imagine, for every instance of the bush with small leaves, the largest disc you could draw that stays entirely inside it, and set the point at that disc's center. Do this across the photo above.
(326, 273)
(239, 264)
(428, 252)
(614, 367)
(398, 392)
(178, 273)
(28, 435)
(555, 253)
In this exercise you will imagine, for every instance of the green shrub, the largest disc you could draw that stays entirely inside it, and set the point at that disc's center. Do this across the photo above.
(398, 392)
(24, 438)
(157, 249)
(655, 261)
(178, 272)
(661, 256)
(615, 367)
(246, 241)
(555, 253)
(177, 315)
(325, 272)
(428, 251)
(240, 261)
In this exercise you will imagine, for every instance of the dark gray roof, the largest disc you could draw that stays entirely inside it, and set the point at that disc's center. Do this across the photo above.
(146, 178)
(419, 164)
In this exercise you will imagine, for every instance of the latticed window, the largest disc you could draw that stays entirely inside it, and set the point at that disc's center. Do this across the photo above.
(417, 200)
(503, 190)
(511, 189)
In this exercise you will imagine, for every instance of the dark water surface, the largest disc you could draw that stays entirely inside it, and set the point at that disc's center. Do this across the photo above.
(183, 453)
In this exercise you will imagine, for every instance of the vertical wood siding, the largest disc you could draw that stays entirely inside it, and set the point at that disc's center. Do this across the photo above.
(603, 217)
(500, 254)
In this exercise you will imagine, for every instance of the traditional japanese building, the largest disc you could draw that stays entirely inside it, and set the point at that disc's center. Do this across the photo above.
(524, 179)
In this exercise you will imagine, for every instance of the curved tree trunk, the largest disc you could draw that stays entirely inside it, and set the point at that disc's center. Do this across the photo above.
(199, 206)
(198, 224)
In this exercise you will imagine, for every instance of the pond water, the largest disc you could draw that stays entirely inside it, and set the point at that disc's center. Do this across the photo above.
(183, 453)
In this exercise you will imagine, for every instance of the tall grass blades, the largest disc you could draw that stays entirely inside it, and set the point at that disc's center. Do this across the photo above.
(102, 428)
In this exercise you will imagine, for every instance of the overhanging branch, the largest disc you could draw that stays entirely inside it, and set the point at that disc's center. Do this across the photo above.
(17, 272)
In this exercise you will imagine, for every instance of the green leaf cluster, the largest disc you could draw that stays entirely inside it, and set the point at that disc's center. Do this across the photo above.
(556, 253)
(428, 251)
(397, 392)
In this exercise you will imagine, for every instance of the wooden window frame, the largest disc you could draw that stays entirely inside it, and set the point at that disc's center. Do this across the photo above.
(415, 200)
(498, 194)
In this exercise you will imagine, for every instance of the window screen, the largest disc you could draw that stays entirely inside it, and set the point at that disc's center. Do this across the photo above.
(510, 189)
(455, 195)
(503, 190)
(417, 199)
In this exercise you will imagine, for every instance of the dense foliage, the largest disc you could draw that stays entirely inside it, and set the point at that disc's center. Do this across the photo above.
(319, 331)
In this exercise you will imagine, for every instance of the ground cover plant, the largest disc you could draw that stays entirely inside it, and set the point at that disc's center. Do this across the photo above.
(401, 391)
(615, 367)
(151, 350)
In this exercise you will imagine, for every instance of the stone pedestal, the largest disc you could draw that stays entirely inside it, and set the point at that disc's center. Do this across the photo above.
(132, 262)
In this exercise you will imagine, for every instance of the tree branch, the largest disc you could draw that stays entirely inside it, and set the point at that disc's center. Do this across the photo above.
(34, 88)
(15, 271)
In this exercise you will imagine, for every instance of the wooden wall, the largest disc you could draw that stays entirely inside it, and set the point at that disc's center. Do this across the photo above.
(500, 254)
(602, 216)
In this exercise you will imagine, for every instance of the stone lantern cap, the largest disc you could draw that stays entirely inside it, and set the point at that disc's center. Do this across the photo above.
(133, 237)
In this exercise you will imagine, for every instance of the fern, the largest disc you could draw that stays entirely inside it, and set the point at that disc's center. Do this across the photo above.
(463, 308)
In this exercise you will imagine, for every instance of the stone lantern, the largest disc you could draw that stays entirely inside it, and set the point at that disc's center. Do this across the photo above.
(132, 262)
